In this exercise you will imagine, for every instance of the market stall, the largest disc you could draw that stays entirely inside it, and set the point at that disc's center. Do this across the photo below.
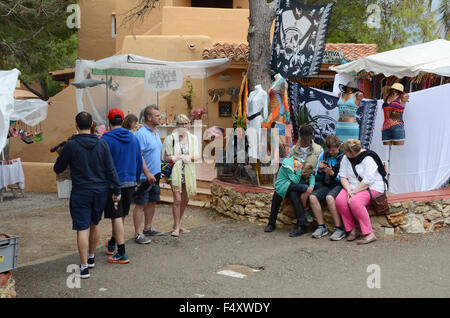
(421, 164)
(19, 119)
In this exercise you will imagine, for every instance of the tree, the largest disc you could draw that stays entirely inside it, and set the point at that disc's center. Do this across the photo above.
(35, 39)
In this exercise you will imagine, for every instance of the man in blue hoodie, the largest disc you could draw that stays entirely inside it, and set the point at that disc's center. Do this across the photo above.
(126, 154)
(92, 170)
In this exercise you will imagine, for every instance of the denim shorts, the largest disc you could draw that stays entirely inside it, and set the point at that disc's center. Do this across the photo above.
(151, 194)
(86, 207)
(324, 190)
(395, 133)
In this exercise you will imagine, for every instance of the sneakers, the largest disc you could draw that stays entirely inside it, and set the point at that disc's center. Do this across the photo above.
(320, 232)
(297, 232)
(84, 273)
(141, 239)
(109, 248)
(269, 228)
(91, 262)
(338, 235)
(152, 232)
(119, 259)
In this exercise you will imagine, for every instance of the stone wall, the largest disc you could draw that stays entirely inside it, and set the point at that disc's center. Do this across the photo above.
(243, 202)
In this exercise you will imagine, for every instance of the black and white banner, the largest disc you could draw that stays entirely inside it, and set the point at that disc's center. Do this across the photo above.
(299, 38)
(324, 110)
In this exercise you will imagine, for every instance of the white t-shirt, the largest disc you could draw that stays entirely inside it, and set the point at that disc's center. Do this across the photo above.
(367, 170)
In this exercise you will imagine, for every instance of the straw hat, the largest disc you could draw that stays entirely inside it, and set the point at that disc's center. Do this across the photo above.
(399, 87)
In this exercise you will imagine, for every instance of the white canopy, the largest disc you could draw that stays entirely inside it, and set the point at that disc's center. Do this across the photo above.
(431, 57)
(126, 76)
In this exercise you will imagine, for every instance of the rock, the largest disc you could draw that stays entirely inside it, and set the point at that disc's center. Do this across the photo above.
(239, 199)
(397, 218)
(227, 201)
(379, 221)
(389, 231)
(426, 226)
(421, 209)
(396, 205)
(415, 224)
(398, 229)
(437, 205)
(239, 209)
(260, 204)
(447, 220)
(407, 205)
(433, 215)
(437, 225)
(287, 209)
(446, 211)
(446, 201)
(285, 219)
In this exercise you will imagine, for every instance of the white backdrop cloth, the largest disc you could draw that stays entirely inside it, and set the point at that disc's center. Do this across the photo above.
(29, 111)
(128, 91)
(423, 163)
(11, 174)
(8, 81)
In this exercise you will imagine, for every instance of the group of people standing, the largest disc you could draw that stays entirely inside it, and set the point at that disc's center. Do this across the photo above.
(111, 172)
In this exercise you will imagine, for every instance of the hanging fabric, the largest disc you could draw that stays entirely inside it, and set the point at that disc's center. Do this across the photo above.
(299, 38)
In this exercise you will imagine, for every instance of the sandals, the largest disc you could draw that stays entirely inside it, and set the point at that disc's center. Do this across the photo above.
(175, 234)
(366, 240)
(183, 230)
(351, 236)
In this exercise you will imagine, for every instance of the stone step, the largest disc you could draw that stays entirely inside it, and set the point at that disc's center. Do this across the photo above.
(202, 193)
(197, 203)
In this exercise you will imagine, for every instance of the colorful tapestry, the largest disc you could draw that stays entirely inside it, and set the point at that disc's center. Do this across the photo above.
(299, 38)
(322, 108)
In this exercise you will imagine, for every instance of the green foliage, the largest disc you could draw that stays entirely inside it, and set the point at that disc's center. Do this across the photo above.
(304, 117)
(35, 39)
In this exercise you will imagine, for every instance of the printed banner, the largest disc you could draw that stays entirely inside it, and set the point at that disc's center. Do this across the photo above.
(157, 80)
(299, 38)
(324, 110)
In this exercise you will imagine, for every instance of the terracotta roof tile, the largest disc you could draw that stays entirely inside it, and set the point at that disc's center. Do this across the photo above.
(239, 52)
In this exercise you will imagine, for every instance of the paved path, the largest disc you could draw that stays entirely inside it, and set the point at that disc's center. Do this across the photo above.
(411, 266)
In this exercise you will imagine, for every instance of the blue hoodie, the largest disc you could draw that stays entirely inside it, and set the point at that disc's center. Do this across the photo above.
(91, 164)
(126, 154)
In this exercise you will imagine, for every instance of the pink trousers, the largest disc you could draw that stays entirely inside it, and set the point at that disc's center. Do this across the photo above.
(356, 210)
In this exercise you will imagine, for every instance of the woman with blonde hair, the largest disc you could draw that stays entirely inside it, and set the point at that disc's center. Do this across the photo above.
(361, 171)
(181, 148)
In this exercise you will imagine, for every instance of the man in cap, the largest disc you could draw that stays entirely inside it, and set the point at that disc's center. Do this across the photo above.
(126, 154)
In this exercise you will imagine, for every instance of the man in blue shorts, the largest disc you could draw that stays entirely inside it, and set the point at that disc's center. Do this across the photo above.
(91, 169)
(149, 192)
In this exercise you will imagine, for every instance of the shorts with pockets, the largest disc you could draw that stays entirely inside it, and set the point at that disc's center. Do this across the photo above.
(86, 207)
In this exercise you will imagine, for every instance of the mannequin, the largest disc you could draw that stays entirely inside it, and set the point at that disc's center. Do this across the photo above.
(279, 107)
(393, 130)
(256, 112)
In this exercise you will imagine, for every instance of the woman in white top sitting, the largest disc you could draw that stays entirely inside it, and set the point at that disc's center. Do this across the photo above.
(354, 197)
(181, 148)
